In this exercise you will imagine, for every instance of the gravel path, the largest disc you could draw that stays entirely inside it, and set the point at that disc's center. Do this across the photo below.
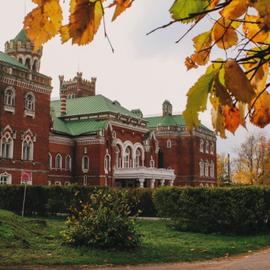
(253, 261)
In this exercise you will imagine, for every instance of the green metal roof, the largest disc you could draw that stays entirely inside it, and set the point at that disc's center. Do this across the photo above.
(168, 120)
(22, 36)
(10, 60)
(91, 105)
(83, 106)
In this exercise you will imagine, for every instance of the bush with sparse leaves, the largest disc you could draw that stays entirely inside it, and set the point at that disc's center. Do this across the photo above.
(103, 222)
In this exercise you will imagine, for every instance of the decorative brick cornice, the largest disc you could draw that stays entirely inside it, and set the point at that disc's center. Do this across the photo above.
(60, 140)
(90, 140)
(29, 85)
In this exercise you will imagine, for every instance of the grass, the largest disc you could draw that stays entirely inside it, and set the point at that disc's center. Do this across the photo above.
(33, 241)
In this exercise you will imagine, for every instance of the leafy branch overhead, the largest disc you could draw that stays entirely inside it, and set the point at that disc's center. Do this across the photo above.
(236, 85)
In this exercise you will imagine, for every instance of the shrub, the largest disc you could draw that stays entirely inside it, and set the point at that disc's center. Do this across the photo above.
(239, 210)
(103, 222)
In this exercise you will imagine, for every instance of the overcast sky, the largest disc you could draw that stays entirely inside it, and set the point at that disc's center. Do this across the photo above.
(143, 71)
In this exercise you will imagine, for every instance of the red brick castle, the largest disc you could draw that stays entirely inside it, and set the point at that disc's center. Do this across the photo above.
(87, 138)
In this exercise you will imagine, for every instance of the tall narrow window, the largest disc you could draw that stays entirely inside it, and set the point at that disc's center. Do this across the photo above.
(138, 160)
(29, 102)
(201, 168)
(201, 145)
(169, 144)
(127, 158)
(7, 146)
(68, 163)
(50, 161)
(58, 162)
(207, 147)
(85, 164)
(107, 163)
(206, 168)
(212, 169)
(212, 148)
(118, 156)
(9, 99)
(27, 148)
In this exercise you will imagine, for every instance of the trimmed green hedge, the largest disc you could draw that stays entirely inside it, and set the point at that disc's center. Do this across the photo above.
(236, 210)
(45, 200)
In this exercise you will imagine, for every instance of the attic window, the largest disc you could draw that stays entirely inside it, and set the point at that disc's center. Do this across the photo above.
(116, 103)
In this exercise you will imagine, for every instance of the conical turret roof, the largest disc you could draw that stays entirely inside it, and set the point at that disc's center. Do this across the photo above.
(21, 36)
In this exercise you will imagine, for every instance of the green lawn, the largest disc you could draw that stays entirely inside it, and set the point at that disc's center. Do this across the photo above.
(26, 241)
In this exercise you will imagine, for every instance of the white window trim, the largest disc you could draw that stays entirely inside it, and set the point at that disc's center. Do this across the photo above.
(61, 162)
(27, 111)
(169, 144)
(9, 178)
(201, 145)
(8, 135)
(201, 164)
(84, 169)
(7, 106)
(68, 163)
(50, 161)
(31, 154)
(107, 163)
(206, 168)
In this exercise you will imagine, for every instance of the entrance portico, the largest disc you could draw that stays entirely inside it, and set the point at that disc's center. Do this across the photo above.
(144, 177)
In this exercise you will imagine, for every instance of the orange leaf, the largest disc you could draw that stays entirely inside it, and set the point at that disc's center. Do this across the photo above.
(232, 118)
(252, 29)
(235, 9)
(260, 115)
(121, 6)
(224, 34)
(237, 82)
(190, 63)
(84, 21)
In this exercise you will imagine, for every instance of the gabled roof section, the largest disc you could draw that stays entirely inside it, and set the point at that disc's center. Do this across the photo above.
(168, 120)
(91, 105)
(11, 61)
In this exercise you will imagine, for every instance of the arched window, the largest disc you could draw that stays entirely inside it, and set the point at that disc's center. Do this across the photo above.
(29, 102)
(212, 169)
(7, 145)
(212, 148)
(138, 159)
(9, 99)
(20, 60)
(27, 148)
(152, 162)
(207, 147)
(107, 163)
(68, 163)
(5, 179)
(35, 65)
(28, 63)
(169, 144)
(127, 158)
(201, 168)
(206, 168)
(58, 162)
(118, 157)
(85, 164)
(50, 161)
(58, 183)
(201, 145)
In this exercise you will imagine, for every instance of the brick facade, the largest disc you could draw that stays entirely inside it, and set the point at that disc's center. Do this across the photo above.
(57, 144)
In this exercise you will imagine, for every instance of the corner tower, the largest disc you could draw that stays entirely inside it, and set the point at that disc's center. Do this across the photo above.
(23, 50)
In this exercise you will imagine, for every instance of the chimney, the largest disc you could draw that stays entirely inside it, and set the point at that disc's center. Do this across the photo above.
(63, 100)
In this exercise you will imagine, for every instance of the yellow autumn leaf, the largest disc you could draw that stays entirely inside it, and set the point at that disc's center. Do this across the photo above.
(121, 6)
(218, 120)
(263, 8)
(237, 83)
(235, 9)
(252, 29)
(260, 115)
(224, 34)
(242, 110)
(84, 21)
(43, 22)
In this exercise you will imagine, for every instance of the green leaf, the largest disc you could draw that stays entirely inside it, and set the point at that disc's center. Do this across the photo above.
(182, 9)
(197, 99)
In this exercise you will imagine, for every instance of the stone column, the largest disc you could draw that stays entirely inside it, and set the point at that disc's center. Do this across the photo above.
(162, 182)
(152, 183)
(141, 182)
(171, 182)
